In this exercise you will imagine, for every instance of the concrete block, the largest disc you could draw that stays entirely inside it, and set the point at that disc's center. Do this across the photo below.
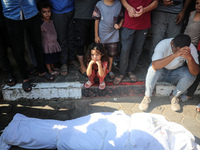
(63, 90)
(164, 89)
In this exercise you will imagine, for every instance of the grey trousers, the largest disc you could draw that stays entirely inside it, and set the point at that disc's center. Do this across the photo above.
(132, 44)
(163, 26)
(65, 31)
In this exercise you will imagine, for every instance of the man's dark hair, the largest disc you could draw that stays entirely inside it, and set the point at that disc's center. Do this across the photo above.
(181, 40)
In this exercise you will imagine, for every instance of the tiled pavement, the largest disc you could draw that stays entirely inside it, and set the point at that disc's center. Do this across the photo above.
(69, 109)
(64, 109)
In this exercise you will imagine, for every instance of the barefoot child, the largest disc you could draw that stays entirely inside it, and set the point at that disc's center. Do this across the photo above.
(49, 37)
(97, 62)
(106, 14)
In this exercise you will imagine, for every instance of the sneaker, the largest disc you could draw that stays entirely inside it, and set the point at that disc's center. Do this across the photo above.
(144, 105)
(175, 104)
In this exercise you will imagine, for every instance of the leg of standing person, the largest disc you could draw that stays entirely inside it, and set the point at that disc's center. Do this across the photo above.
(127, 36)
(193, 87)
(61, 22)
(16, 32)
(34, 31)
(137, 47)
(173, 28)
(159, 27)
(4, 60)
(81, 40)
(70, 41)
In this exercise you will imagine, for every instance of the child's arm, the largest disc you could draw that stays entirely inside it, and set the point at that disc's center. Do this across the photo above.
(148, 8)
(118, 26)
(96, 31)
(89, 68)
(129, 8)
(101, 70)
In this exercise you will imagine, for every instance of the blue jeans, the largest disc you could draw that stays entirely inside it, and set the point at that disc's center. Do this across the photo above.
(181, 77)
(132, 45)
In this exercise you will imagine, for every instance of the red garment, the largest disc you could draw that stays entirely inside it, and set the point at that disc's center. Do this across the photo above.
(198, 47)
(95, 73)
(139, 23)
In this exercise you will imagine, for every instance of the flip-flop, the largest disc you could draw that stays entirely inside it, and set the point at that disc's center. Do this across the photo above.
(64, 70)
(118, 79)
(198, 107)
(10, 81)
(111, 75)
(27, 87)
(47, 76)
(55, 73)
(132, 77)
(88, 84)
(102, 85)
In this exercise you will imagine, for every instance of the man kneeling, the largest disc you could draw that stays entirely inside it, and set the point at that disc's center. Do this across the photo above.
(167, 65)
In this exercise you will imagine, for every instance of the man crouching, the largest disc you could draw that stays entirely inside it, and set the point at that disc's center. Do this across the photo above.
(167, 65)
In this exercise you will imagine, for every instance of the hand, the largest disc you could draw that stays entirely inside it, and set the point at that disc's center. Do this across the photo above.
(98, 62)
(179, 17)
(117, 26)
(140, 12)
(167, 2)
(97, 39)
(92, 62)
(182, 52)
(131, 12)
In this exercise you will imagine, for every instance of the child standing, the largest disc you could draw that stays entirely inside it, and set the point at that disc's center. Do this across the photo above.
(106, 14)
(97, 62)
(193, 30)
(137, 21)
(49, 37)
(193, 26)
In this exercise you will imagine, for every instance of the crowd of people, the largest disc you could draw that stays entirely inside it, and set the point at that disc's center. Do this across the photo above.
(92, 32)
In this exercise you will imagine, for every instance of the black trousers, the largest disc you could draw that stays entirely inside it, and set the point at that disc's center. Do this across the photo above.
(16, 32)
(4, 44)
(84, 34)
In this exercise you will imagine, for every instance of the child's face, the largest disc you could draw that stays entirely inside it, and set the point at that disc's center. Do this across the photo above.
(46, 13)
(197, 6)
(95, 55)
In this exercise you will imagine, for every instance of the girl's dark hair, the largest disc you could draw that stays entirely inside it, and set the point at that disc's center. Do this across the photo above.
(43, 4)
(100, 48)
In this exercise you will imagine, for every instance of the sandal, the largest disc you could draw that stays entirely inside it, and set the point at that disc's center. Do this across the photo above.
(118, 79)
(27, 86)
(111, 75)
(132, 77)
(55, 73)
(47, 76)
(64, 70)
(198, 108)
(102, 85)
(10, 81)
(88, 84)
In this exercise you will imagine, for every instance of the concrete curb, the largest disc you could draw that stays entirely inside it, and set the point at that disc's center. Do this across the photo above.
(76, 90)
